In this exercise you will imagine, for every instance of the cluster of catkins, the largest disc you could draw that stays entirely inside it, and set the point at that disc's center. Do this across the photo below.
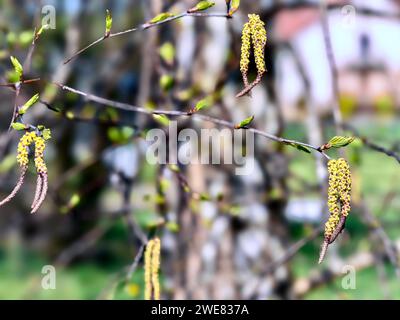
(151, 269)
(253, 33)
(27, 140)
(339, 191)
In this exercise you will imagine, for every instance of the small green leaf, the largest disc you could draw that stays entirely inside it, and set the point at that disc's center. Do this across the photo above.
(235, 210)
(244, 123)
(28, 104)
(186, 94)
(147, 219)
(162, 119)
(167, 52)
(120, 134)
(205, 197)
(202, 5)
(302, 148)
(12, 76)
(164, 185)
(159, 199)
(3, 54)
(203, 104)
(42, 28)
(172, 226)
(32, 100)
(74, 201)
(69, 115)
(174, 168)
(339, 141)
(234, 6)
(108, 22)
(17, 66)
(299, 147)
(46, 133)
(155, 223)
(7, 163)
(25, 37)
(166, 82)
(161, 17)
(18, 126)
(11, 38)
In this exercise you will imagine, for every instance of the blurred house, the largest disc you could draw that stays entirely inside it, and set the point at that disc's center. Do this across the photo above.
(366, 51)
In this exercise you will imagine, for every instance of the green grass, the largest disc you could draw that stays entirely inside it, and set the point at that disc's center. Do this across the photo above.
(367, 286)
(82, 281)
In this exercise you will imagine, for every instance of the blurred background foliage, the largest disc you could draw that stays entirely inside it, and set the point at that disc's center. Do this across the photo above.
(210, 250)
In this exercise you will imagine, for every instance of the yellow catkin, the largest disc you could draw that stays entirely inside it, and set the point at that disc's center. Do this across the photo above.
(344, 187)
(39, 155)
(24, 144)
(253, 34)
(333, 198)
(259, 39)
(23, 148)
(23, 151)
(147, 270)
(245, 50)
(151, 270)
(155, 269)
(339, 190)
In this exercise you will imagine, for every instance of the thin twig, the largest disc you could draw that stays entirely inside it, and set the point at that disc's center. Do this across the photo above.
(339, 228)
(249, 86)
(175, 113)
(84, 49)
(289, 254)
(146, 26)
(17, 186)
(38, 192)
(17, 91)
(381, 149)
(373, 145)
(135, 262)
(43, 192)
(291, 251)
